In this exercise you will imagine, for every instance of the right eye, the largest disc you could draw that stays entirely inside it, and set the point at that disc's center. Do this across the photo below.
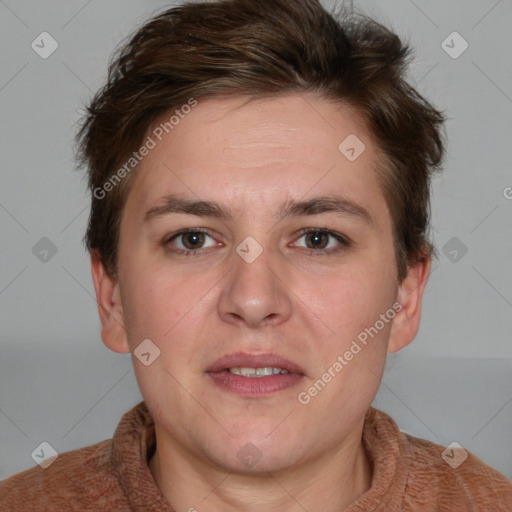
(189, 241)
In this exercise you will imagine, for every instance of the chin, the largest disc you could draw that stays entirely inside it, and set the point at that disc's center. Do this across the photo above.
(253, 455)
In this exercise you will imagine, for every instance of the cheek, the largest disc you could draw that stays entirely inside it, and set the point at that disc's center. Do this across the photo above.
(152, 303)
(167, 307)
(358, 308)
(351, 301)
(154, 308)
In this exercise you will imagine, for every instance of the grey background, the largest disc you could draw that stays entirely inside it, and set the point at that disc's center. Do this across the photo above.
(59, 384)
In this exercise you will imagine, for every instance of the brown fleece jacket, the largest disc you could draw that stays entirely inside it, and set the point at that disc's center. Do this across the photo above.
(409, 474)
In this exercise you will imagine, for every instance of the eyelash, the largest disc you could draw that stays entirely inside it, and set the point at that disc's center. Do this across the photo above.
(342, 239)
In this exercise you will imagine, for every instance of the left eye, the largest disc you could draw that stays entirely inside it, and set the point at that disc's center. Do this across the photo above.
(320, 239)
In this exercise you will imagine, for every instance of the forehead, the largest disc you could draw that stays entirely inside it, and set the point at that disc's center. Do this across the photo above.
(260, 149)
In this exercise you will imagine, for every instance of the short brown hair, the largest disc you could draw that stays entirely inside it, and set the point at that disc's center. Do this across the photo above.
(264, 48)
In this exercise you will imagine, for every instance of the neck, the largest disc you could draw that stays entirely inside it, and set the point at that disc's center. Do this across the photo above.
(330, 482)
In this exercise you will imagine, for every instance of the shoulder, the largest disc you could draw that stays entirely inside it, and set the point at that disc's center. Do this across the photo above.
(74, 481)
(454, 477)
(416, 474)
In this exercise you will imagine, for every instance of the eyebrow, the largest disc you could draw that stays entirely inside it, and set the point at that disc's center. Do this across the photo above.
(290, 208)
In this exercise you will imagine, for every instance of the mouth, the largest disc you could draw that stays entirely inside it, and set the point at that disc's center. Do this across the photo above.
(254, 375)
(264, 371)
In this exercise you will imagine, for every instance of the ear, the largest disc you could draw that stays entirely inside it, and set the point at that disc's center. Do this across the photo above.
(110, 308)
(410, 293)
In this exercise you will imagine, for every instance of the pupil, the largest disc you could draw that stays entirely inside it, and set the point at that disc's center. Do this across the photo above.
(194, 239)
(316, 238)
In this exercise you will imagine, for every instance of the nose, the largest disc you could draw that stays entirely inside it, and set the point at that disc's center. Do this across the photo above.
(254, 292)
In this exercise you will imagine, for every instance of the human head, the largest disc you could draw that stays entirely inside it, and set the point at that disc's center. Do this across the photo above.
(261, 49)
(254, 151)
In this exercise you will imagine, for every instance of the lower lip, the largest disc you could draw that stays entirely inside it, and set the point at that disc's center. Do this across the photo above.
(255, 386)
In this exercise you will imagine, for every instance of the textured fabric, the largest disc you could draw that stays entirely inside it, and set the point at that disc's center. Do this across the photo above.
(409, 474)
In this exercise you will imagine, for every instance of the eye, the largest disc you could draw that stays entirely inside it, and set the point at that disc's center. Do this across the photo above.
(193, 241)
(323, 240)
(188, 241)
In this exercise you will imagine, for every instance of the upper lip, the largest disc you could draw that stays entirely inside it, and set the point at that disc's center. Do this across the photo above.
(245, 360)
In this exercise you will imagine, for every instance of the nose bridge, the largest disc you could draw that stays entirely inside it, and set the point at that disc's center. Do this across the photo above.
(254, 294)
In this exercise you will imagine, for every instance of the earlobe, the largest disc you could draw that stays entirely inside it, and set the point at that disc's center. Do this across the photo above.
(110, 308)
(410, 294)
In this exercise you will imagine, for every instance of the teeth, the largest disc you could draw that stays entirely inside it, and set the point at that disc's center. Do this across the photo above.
(258, 372)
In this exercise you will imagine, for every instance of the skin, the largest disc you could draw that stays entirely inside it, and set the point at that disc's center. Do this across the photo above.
(252, 156)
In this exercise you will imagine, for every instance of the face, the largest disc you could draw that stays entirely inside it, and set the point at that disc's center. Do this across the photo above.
(250, 240)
